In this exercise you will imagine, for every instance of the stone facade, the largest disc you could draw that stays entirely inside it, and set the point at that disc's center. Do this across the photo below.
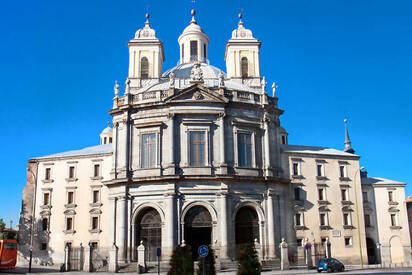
(199, 157)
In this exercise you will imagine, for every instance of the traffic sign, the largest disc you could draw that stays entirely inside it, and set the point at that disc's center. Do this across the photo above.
(31, 248)
(203, 251)
(158, 252)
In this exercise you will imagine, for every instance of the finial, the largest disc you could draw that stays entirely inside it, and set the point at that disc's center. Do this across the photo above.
(147, 23)
(109, 123)
(240, 18)
(193, 12)
(116, 89)
(348, 146)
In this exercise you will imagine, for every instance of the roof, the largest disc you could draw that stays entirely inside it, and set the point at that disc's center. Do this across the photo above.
(372, 180)
(107, 130)
(184, 71)
(93, 150)
(314, 150)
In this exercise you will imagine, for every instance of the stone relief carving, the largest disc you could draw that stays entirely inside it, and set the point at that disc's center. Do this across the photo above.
(196, 75)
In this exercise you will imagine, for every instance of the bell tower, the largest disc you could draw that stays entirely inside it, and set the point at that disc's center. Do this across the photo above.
(242, 56)
(146, 54)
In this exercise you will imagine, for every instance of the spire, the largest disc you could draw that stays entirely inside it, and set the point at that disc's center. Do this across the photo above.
(348, 147)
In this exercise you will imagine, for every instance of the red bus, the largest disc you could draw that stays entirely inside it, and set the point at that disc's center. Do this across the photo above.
(8, 254)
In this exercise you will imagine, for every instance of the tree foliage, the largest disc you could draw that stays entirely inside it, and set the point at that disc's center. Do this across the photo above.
(181, 262)
(209, 264)
(6, 234)
(248, 262)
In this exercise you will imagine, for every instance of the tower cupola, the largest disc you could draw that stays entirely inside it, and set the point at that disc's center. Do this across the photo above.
(193, 43)
(106, 136)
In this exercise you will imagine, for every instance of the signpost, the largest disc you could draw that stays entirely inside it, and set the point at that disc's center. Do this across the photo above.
(203, 251)
(158, 253)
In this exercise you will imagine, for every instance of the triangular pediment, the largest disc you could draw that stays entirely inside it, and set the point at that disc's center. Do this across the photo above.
(197, 93)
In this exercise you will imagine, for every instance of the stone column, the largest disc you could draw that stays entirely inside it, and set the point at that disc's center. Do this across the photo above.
(313, 251)
(171, 125)
(271, 227)
(267, 146)
(284, 257)
(223, 223)
(121, 228)
(223, 165)
(112, 218)
(170, 222)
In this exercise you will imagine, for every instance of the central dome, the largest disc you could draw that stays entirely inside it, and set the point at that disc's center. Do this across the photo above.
(183, 71)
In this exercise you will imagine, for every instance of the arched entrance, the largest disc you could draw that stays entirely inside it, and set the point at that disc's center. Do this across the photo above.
(396, 250)
(246, 227)
(197, 228)
(149, 230)
(371, 249)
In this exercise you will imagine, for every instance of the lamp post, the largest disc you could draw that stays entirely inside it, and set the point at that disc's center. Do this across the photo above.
(357, 215)
(32, 218)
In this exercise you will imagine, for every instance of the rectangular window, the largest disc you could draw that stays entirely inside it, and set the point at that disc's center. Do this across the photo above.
(96, 170)
(322, 217)
(148, 150)
(183, 52)
(321, 194)
(365, 196)
(45, 224)
(96, 196)
(94, 245)
(197, 148)
(71, 172)
(47, 174)
(344, 194)
(205, 51)
(95, 223)
(43, 246)
(299, 242)
(46, 199)
(348, 241)
(70, 197)
(393, 220)
(390, 196)
(193, 50)
(346, 219)
(69, 223)
(296, 169)
(342, 171)
(319, 170)
(298, 217)
(297, 194)
(245, 149)
(367, 220)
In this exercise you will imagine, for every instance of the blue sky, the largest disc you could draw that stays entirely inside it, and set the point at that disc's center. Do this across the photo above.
(331, 60)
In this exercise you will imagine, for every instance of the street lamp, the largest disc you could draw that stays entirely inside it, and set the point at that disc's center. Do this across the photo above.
(357, 215)
(32, 217)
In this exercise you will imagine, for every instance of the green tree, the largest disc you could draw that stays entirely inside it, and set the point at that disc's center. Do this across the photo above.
(6, 235)
(2, 225)
(181, 262)
(248, 262)
(209, 264)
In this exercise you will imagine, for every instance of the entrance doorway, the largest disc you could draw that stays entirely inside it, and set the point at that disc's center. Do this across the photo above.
(149, 230)
(198, 228)
(371, 249)
(246, 227)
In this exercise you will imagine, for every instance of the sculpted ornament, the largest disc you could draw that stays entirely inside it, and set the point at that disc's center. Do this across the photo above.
(221, 79)
(196, 75)
(172, 80)
(197, 95)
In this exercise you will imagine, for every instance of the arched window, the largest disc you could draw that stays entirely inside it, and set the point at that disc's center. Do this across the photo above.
(244, 66)
(144, 68)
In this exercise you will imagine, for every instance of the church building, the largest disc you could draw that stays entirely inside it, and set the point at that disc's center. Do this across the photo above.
(197, 156)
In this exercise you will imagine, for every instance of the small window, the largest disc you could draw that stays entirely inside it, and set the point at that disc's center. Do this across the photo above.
(95, 223)
(197, 148)
(69, 223)
(193, 50)
(244, 67)
(365, 196)
(321, 194)
(94, 245)
(342, 171)
(245, 149)
(183, 51)
(298, 218)
(367, 220)
(45, 224)
(390, 196)
(348, 241)
(144, 69)
(47, 175)
(394, 220)
(319, 170)
(283, 139)
(205, 51)
(105, 140)
(46, 199)
(323, 220)
(344, 194)
(297, 194)
(96, 170)
(148, 150)
(70, 197)
(346, 219)
(295, 169)
(299, 242)
(71, 172)
(96, 196)
(110, 140)
(43, 246)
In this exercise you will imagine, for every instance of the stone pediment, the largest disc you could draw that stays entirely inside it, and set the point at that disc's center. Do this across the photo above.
(197, 93)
